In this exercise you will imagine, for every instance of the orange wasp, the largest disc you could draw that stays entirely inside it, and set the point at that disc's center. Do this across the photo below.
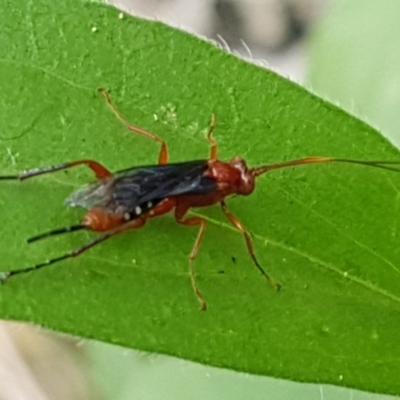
(124, 200)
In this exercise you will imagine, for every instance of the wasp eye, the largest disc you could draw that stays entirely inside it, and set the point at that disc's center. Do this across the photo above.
(239, 163)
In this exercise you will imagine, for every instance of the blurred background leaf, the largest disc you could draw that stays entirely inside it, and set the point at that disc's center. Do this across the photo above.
(355, 61)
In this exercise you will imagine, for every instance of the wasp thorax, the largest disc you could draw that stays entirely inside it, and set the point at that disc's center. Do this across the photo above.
(245, 182)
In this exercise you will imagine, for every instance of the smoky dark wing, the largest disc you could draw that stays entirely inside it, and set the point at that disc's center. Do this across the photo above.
(156, 182)
(144, 185)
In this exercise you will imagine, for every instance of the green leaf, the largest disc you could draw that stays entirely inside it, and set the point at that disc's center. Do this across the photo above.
(328, 233)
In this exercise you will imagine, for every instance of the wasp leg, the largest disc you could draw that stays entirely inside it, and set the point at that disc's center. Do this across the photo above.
(201, 223)
(99, 170)
(238, 224)
(134, 224)
(211, 140)
(163, 155)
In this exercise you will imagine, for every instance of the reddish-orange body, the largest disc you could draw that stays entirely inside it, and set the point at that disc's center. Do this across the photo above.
(123, 201)
(231, 177)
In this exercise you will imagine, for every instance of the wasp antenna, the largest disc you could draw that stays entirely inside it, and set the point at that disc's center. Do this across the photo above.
(300, 161)
(388, 165)
(58, 231)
